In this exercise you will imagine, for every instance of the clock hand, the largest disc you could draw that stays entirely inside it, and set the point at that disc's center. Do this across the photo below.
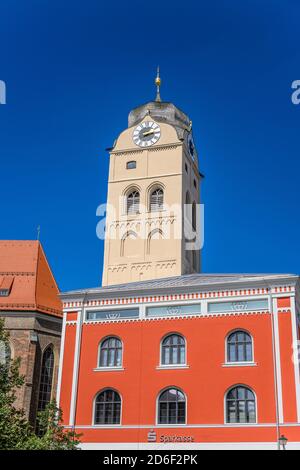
(149, 132)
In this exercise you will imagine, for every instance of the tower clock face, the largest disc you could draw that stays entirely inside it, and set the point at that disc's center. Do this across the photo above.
(191, 146)
(146, 134)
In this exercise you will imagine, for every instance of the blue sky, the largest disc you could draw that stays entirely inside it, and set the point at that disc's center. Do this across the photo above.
(75, 69)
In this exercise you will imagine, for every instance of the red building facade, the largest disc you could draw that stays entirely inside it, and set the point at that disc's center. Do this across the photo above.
(194, 361)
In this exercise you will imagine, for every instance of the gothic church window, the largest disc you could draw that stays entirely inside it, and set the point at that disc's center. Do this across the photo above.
(157, 200)
(133, 202)
(46, 379)
(5, 353)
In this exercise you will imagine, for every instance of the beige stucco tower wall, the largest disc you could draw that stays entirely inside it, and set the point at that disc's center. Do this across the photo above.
(150, 243)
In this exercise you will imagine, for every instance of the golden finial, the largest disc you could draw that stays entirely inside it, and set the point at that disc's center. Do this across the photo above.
(158, 84)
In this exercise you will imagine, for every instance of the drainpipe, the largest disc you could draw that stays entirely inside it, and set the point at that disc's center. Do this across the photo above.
(74, 399)
(275, 366)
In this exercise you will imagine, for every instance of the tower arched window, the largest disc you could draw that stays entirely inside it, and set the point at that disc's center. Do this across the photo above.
(194, 216)
(173, 350)
(240, 405)
(239, 347)
(46, 379)
(171, 407)
(188, 205)
(157, 200)
(133, 202)
(107, 407)
(110, 352)
(5, 353)
(187, 198)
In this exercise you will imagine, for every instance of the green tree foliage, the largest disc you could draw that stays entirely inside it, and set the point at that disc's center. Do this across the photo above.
(15, 430)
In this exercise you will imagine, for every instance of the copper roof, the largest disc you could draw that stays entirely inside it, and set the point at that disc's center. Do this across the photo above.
(26, 280)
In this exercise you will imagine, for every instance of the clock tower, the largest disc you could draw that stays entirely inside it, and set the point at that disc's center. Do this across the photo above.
(153, 216)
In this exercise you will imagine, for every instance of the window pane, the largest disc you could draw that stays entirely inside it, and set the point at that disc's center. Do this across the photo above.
(231, 412)
(104, 358)
(182, 355)
(119, 357)
(163, 413)
(181, 412)
(241, 393)
(241, 356)
(167, 355)
(117, 413)
(174, 355)
(172, 413)
(241, 336)
(111, 357)
(251, 412)
(5, 353)
(232, 355)
(249, 352)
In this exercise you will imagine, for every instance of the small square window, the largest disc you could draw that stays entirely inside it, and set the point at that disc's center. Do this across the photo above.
(4, 292)
(131, 165)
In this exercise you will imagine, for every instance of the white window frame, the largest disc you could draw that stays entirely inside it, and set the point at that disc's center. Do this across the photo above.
(94, 409)
(172, 366)
(225, 406)
(99, 368)
(237, 363)
(157, 408)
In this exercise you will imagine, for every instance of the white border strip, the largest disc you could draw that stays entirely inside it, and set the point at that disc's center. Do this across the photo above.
(61, 359)
(75, 369)
(278, 362)
(187, 446)
(295, 355)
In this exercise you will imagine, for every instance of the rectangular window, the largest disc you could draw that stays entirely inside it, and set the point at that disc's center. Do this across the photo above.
(112, 314)
(4, 292)
(131, 165)
(174, 310)
(238, 306)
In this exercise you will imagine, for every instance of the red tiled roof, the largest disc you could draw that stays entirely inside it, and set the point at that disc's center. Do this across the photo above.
(26, 274)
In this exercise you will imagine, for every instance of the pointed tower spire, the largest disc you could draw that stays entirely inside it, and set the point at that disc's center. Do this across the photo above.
(158, 84)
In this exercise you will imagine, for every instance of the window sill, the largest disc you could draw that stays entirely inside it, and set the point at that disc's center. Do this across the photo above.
(240, 364)
(108, 369)
(107, 425)
(156, 211)
(171, 425)
(240, 424)
(173, 366)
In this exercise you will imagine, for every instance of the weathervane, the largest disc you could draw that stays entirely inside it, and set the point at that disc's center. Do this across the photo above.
(158, 84)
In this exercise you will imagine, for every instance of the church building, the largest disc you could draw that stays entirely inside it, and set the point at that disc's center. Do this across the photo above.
(163, 356)
(32, 313)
